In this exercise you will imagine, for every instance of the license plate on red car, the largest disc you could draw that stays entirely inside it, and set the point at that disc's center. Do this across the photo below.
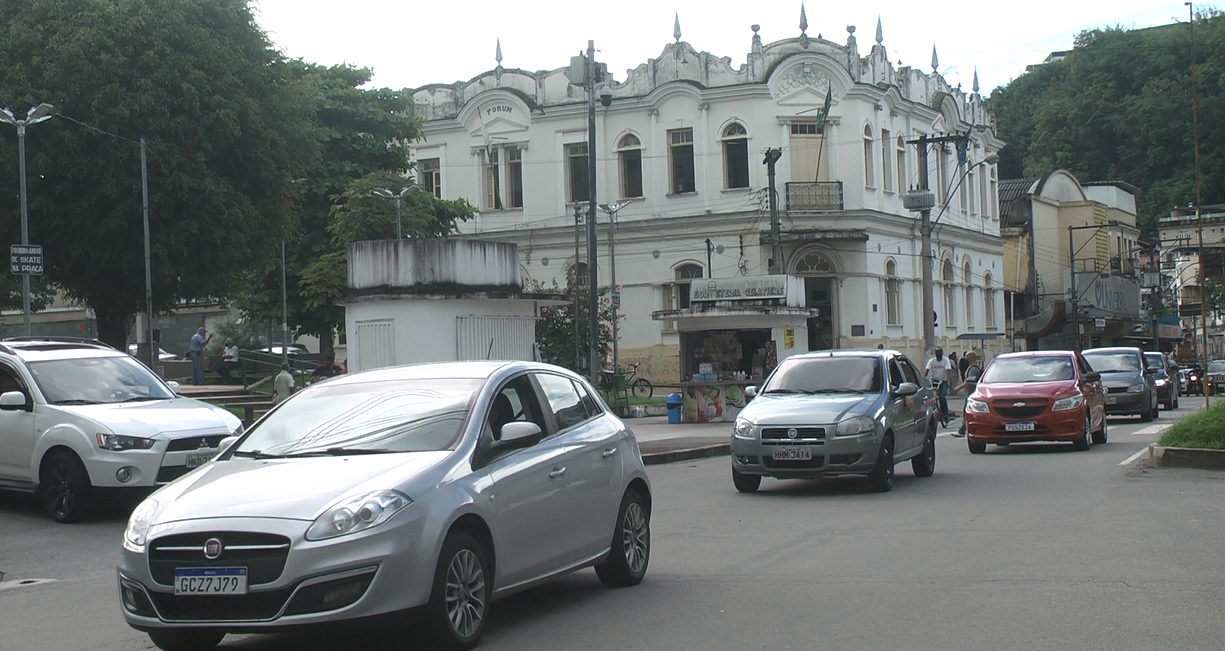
(1024, 426)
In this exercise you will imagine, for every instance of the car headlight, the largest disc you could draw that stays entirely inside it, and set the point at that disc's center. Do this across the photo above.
(1136, 388)
(357, 514)
(138, 524)
(118, 442)
(1071, 402)
(743, 429)
(1161, 381)
(238, 430)
(976, 406)
(857, 425)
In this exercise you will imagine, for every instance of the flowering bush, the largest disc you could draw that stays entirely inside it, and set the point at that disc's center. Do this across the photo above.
(557, 326)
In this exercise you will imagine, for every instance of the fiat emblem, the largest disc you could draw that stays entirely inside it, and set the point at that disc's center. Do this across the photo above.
(212, 549)
(791, 433)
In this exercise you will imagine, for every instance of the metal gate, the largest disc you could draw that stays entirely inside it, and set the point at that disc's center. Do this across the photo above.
(495, 337)
(376, 345)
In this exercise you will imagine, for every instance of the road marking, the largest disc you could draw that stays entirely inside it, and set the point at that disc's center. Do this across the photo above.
(1151, 429)
(1143, 451)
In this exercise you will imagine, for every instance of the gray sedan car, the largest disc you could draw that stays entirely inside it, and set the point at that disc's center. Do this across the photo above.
(836, 413)
(429, 490)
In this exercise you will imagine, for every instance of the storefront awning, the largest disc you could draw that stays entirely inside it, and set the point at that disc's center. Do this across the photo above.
(736, 317)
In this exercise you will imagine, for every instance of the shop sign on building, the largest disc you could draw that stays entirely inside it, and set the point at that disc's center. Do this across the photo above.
(1117, 295)
(746, 288)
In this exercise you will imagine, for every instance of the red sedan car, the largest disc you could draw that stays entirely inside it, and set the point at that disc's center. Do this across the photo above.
(1036, 396)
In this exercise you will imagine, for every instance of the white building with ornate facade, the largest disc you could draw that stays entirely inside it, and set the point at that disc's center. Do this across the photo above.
(683, 140)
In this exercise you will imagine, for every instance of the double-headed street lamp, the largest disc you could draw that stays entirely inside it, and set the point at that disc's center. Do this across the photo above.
(33, 116)
(397, 197)
(612, 210)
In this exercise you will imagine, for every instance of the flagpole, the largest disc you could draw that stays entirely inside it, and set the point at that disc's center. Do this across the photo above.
(829, 97)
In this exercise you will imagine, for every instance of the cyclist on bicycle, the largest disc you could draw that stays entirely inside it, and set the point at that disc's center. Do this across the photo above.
(940, 371)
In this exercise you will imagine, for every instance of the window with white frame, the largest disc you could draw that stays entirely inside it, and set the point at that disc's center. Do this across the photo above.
(680, 159)
(576, 172)
(984, 200)
(971, 195)
(950, 300)
(968, 279)
(991, 206)
(902, 179)
(676, 295)
(514, 176)
(629, 158)
(942, 174)
(886, 172)
(988, 301)
(429, 176)
(868, 164)
(580, 280)
(735, 156)
(493, 190)
(960, 189)
(893, 309)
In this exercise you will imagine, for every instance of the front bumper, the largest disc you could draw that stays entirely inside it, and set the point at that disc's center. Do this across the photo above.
(384, 570)
(1120, 402)
(165, 462)
(834, 455)
(1048, 426)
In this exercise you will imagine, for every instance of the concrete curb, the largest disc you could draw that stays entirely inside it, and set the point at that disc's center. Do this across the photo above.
(701, 452)
(1186, 457)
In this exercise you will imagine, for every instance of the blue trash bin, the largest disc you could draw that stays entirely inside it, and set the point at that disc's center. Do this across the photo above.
(674, 408)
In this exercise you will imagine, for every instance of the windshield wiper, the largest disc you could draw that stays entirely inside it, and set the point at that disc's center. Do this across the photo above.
(787, 391)
(142, 399)
(339, 452)
(837, 391)
(76, 402)
(257, 454)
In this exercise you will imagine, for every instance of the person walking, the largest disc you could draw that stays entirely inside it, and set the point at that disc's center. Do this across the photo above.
(940, 371)
(968, 384)
(956, 369)
(283, 384)
(195, 350)
(964, 363)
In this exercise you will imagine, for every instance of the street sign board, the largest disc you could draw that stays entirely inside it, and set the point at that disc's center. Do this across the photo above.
(1099, 324)
(26, 259)
(616, 298)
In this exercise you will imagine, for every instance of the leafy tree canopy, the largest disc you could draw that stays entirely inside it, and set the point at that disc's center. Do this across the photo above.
(229, 127)
(1119, 108)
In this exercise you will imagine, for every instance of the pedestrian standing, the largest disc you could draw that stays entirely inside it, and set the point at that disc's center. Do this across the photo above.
(972, 373)
(956, 368)
(195, 351)
(283, 384)
(964, 363)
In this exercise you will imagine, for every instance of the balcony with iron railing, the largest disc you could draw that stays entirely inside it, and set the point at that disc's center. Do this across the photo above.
(814, 196)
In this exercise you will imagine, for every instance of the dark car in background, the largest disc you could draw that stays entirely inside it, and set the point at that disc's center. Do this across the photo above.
(1215, 374)
(1127, 381)
(1165, 379)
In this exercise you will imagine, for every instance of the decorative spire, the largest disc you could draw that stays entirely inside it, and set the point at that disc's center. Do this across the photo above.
(676, 28)
(803, 19)
(975, 86)
(880, 33)
(935, 59)
(498, 57)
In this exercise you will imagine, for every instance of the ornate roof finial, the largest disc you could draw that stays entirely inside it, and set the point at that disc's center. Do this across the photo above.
(756, 38)
(803, 19)
(880, 33)
(975, 86)
(498, 57)
(676, 28)
(935, 59)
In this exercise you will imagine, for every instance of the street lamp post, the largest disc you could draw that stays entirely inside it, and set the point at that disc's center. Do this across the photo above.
(612, 274)
(397, 197)
(33, 116)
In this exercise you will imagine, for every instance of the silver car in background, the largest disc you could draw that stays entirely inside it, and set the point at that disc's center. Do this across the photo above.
(433, 488)
(838, 412)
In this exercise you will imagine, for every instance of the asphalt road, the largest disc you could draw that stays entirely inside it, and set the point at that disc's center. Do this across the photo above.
(1028, 547)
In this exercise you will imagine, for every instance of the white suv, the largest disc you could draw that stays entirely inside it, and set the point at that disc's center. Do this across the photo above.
(77, 416)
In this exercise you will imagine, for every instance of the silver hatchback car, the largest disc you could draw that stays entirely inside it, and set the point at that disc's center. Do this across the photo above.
(836, 412)
(433, 488)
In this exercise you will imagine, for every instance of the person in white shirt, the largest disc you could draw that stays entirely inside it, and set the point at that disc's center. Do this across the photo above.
(283, 384)
(229, 360)
(940, 371)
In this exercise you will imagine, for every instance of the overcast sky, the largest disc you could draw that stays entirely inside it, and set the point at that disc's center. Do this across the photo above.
(410, 43)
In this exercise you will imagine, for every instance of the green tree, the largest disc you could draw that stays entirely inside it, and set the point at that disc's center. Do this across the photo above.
(359, 132)
(1119, 108)
(228, 124)
(358, 214)
(556, 328)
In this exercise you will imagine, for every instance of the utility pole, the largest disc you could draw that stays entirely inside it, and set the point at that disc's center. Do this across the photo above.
(578, 222)
(1075, 295)
(1203, 304)
(593, 287)
(776, 253)
(153, 352)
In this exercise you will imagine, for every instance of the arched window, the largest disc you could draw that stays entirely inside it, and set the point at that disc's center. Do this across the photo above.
(902, 179)
(946, 276)
(813, 262)
(629, 157)
(988, 301)
(868, 165)
(735, 156)
(967, 278)
(892, 294)
(581, 279)
(676, 295)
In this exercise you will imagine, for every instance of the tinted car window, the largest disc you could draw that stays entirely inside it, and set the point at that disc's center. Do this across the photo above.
(1217, 366)
(826, 374)
(1028, 369)
(895, 374)
(563, 399)
(1155, 359)
(1106, 362)
(909, 371)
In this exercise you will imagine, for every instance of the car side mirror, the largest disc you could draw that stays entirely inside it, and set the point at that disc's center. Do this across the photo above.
(1151, 369)
(906, 389)
(519, 434)
(226, 443)
(1093, 377)
(14, 401)
(174, 387)
(750, 392)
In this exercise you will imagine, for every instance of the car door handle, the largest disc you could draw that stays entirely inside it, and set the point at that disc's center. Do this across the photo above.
(557, 472)
(610, 452)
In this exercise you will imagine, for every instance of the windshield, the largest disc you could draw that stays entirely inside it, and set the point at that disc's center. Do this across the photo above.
(97, 380)
(1216, 367)
(1112, 362)
(383, 416)
(825, 375)
(1028, 369)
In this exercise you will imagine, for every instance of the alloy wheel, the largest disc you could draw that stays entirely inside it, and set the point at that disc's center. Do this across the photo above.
(634, 537)
(465, 593)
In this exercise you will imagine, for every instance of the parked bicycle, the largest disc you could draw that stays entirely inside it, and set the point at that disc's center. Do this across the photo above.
(637, 385)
